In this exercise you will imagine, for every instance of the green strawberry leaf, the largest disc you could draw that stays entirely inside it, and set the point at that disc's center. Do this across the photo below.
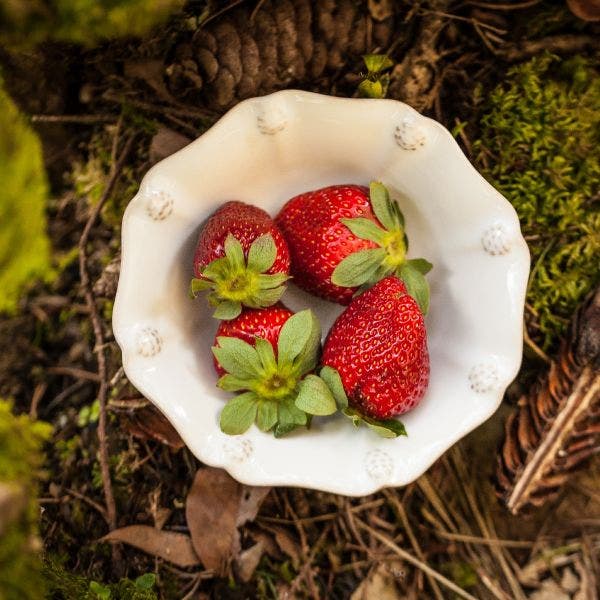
(290, 417)
(227, 310)
(269, 282)
(334, 382)
(216, 269)
(416, 285)
(262, 253)
(314, 397)
(199, 285)
(399, 217)
(290, 413)
(358, 267)
(282, 429)
(239, 413)
(386, 428)
(266, 416)
(353, 416)
(382, 205)
(266, 354)
(234, 252)
(237, 357)
(294, 335)
(231, 383)
(309, 356)
(421, 265)
(365, 229)
(265, 297)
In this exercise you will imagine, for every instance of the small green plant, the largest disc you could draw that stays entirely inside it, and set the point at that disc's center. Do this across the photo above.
(539, 142)
(88, 414)
(24, 244)
(376, 81)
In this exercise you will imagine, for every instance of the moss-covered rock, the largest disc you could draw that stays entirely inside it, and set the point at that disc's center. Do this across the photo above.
(20, 462)
(28, 22)
(539, 144)
(24, 245)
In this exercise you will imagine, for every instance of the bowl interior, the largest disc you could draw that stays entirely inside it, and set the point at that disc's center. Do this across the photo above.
(476, 297)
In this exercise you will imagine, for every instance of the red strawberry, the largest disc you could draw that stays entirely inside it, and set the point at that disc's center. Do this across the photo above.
(268, 354)
(252, 323)
(242, 257)
(377, 351)
(344, 238)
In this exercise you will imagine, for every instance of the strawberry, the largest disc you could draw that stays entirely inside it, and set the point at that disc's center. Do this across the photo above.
(242, 258)
(264, 323)
(268, 355)
(345, 238)
(375, 357)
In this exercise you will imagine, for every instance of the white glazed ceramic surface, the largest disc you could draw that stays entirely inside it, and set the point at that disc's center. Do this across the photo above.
(264, 151)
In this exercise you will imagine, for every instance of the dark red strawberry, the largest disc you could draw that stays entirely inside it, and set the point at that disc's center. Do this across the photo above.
(345, 238)
(268, 355)
(242, 258)
(377, 352)
(252, 323)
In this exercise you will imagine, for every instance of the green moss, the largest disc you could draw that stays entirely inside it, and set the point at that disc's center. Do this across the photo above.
(20, 462)
(64, 585)
(24, 245)
(89, 179)
(539, 147)
(29, 22)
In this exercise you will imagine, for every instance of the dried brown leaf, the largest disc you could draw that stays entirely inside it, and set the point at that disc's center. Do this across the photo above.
(174, 547)
(379, 584)
(550, 590)
(148, 423)
(248, 560)
(268, 542)
(166, 142)
(211, 511)
(250, 501)
(161, 516)
(151, 72)
(287, 544)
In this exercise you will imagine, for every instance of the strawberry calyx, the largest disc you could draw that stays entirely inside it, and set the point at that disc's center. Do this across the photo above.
(235, 280)
(364, 268)
(387, 428)
(278, 392)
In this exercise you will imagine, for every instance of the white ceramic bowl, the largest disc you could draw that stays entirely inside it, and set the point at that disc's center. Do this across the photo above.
(264, 151)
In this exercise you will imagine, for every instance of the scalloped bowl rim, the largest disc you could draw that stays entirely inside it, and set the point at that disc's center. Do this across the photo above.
(264, 150)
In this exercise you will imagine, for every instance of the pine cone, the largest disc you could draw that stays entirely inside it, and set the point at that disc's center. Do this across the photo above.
(285, 42)
(557, 425)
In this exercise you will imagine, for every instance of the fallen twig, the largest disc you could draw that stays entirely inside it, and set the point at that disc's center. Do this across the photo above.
(559, 44)
(415, 562)
(111, 509)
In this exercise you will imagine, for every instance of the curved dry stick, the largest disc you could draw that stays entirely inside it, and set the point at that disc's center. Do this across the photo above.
(111, 509)
(415, 562)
